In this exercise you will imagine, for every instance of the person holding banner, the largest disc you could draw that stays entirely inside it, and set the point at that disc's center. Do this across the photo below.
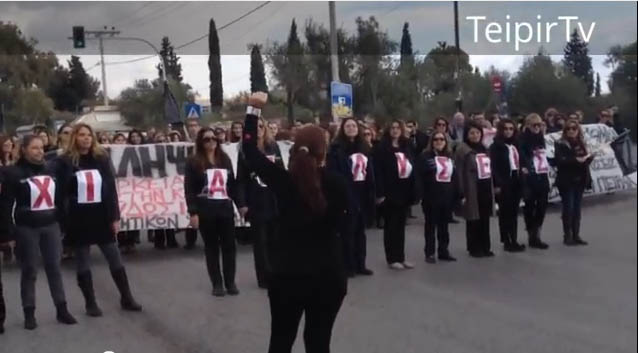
(31, 186)
(210, 189)
(350, 156)
(395, 189)
(507, 183)
(535, 172)
(128, 239)
(475, 183)
(91, 213)
(308, 273)
(573, 177)
(439, 188)
(262, 204)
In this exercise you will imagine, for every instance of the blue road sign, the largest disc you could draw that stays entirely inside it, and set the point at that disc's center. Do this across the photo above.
(193, 110)
(341, 97)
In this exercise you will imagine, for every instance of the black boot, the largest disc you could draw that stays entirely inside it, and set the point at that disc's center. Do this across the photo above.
(568, 235)
(576, 228)
(231, 289)
(121, 281)
(63, 315)
(85, 282)
(535, 240)
(29, 318)
(171, 241)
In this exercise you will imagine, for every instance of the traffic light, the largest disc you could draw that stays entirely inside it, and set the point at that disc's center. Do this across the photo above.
(78, 37)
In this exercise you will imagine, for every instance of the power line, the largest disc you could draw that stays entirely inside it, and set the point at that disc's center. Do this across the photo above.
(130, 15)
(196, 39)
(153, 12)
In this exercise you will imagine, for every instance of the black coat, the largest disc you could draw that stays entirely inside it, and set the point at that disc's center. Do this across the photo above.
(261, 201)
(195, 191)
(307, 244)
(16, 189)
(433, 192)
(88, 223)
(571, 173)
(418, 142)
(504, 177)
(360, 193)
(397, 192)
(533, 184)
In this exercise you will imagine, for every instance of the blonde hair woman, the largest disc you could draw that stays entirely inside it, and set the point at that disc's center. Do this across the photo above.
(91, 215)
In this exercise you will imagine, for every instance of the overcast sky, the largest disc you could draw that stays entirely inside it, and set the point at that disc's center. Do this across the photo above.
(430, 22)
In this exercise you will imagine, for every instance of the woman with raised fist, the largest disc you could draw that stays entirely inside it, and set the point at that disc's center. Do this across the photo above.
(91, 213)
(307, 261)
(350, 156)
(475, 183)
(30, 184)
(210, 189)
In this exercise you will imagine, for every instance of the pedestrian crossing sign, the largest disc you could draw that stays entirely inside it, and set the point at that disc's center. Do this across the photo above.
(193, 110)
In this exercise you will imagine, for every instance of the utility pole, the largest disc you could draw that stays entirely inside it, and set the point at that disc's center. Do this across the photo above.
(100, 36)
(459, 98)
(334, 53)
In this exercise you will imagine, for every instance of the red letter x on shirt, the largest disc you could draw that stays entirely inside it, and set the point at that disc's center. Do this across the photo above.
(42, 192)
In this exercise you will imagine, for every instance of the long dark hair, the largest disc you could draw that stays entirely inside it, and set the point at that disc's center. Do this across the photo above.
(306, 157)
(500, 129)
(200, 157)
(466, 134)
(386, 139)
(9, 159)
(580, 138)
(343, 140)
(129, 140)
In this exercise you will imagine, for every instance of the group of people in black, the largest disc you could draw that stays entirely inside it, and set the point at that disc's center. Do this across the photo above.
(308, 221)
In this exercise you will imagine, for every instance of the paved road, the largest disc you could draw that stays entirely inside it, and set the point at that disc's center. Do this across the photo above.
(564, 300)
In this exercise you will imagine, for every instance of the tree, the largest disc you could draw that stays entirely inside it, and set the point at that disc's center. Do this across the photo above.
(407, 56)
(257, 72)
(215, 68)
(173, 67)
(578, 61)
(142, 105)
(623, 84)
(597, 89)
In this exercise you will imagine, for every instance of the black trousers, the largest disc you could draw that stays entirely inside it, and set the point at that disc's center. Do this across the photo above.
(3, 311)
(218, 234)
(394, 233)
(508, 207)
(191, 236)
(354, 242)
(477, 233)
(164, 237)
(318, 298)
(437, 218)
(128, 238)
(534, 211)
(263, 234)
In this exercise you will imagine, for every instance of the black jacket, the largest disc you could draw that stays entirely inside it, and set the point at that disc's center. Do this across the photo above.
(87, 223)
(261, 201)
(19, 182)
(360, 193)
(307, 244)
(397, 191)
(196, 194)
(418, 142)
(532, 183)
(504, 177)
(434, 192)
(571, 173)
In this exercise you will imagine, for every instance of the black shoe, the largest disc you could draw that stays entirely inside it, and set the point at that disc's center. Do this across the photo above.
(127, 302)
(488, 254)
(538, 244)
(447, 258)
(63, 316)
(477, 254)
(365, 272)
(519, 247)
(509, 247)
(29, 319)
(85, 282)
(232, 289)
(219, 291)
(430, 259)
(579, 241)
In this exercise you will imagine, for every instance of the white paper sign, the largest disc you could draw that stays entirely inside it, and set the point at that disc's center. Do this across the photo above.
(513, 157)
(359, 166)
(444, 169)
(42, 192)
(89, 186)
(483, 166)
(403, 165)
(217, 180)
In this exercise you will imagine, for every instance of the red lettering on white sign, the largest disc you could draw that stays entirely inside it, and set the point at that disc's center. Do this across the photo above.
(403, 165)
(483, 166)
(444, 169)
(42, 193)
(541, 165)
(89, 186)
(513, 157)
(359, 166)
(217, 179)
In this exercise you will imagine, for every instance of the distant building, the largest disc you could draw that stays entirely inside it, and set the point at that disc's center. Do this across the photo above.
(103, 118)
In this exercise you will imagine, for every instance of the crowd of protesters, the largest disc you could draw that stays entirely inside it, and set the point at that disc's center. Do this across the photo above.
(307, 240)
